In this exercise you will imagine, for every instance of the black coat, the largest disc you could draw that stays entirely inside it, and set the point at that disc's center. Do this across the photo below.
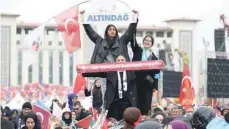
(6, 124)
(142, 75)
(102, 48)
(111, 84)
(97, 101)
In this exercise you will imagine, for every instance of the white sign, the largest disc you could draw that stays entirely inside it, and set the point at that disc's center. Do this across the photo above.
(111, 18)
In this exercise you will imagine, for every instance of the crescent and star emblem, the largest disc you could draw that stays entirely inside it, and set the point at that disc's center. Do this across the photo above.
(41, 116)
(66, 23)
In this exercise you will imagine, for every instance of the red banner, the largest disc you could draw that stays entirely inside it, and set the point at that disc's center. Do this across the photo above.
(108, 67)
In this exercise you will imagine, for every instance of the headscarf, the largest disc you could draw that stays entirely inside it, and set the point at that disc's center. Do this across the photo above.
(178, 124)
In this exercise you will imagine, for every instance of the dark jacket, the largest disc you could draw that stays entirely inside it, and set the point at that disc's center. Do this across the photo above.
(111, 84)
(102, 48)
(6, 124)
(144, 77)
(21, 123)
(83, 114)
(97, 101)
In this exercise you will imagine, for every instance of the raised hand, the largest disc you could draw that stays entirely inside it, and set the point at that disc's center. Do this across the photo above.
(134, 11)
(82, 12)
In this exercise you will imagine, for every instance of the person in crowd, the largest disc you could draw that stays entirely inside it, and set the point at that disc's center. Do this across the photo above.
(7, 109)
(132, 117)
(97, 96)
(224, 110)
(159, 116)
(177, 124)
(121, 91)
(6, 115)
(14, 114)
(5, 124)
(67, 119)
(26, 109)
(149, 125)
(226, 117)
(31, 121)
(146, 80)
(175, 111)
(97, 100)
(201, 117)
(107, 49)
(81, 113)
(72, 98)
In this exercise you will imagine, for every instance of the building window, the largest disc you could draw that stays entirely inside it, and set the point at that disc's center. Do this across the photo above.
(71, 63)
(18, 30)
(19, 68)
(50, 43)
(149, 33)
(169, 34)
(61, 68)
(18, 42)
(139, 34)
(28, 30)
(50, 31)
(30, 74)
(50, 67)
(160, 34)
(41, 67)
(60, 43)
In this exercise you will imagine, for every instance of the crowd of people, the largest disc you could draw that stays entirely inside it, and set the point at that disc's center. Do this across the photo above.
(172, 116)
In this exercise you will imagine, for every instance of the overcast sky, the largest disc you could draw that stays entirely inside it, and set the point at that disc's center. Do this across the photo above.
(151, 11)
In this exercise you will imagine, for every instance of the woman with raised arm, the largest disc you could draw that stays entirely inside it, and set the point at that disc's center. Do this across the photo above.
(147, 82)
(107, 49)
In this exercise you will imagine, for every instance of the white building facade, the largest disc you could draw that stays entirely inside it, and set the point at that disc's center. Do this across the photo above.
(56, 66)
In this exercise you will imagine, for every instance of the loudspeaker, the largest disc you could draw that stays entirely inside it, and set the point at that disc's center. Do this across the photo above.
(171, 83)
(219, 40)
(218, 78)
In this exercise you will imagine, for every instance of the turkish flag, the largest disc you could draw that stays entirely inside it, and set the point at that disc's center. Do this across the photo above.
(43, 116)
(79, 84)
(67, 23)
(186, 91)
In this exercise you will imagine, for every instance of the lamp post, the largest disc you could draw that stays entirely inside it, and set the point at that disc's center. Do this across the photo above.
(206, 45)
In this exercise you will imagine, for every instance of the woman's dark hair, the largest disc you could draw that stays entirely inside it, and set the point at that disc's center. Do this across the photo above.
(77, 103)
(67, 121)
(34, 117)
(107, 28)
(94, 88)
(14, 110)
(226, 117)
(151, 37)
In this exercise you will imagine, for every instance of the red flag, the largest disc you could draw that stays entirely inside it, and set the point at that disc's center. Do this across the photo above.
(79, 84)
(43, 115)
(94, 113)
(68, 24)
(105, 124)
(186, 91)
(84, 123)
